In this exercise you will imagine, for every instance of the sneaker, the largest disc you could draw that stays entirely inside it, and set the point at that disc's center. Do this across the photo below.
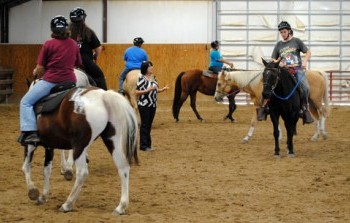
(307, 119)
(32, 138)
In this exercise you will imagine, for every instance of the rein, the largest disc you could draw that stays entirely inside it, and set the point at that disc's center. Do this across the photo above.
(291, 93)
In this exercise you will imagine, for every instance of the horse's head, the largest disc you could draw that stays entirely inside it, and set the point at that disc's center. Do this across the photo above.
(224, 86)
(270, 77)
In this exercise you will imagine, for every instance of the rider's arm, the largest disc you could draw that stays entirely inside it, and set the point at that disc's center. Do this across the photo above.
(38, 71)
(306, 59)
(97, 52)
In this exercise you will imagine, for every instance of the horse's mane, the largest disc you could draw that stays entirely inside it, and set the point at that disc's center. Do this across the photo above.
(244, 78)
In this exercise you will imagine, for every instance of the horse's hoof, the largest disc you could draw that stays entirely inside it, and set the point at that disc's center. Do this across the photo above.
(65, 209)
(33, 194)
(314, 139)
(68, 175)
(277, 156)
(42, 200)
(245, 140)
(291, 155)
(116, 212)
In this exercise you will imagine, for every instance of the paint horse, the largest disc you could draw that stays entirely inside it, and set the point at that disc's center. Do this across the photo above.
(251, 83)
(84, 115)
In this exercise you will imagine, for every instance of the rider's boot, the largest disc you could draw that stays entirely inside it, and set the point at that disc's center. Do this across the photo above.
(32, 138)
(263, 112)
(307, 119)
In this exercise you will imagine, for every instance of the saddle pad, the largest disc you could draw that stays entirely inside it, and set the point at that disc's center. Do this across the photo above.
(209, 73)
(49, 103)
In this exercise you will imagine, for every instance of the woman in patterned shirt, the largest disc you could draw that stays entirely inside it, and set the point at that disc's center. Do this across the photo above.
(147, 89)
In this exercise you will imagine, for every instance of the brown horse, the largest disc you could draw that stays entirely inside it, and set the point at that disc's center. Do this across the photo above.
(188, 83)
(83, 115)
(251, 83)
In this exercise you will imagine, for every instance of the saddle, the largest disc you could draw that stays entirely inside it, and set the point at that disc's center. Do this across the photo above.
(49, 103)
(210, 74)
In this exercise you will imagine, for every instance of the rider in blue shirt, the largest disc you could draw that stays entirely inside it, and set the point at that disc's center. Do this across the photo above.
(216, 59)
(133, 57)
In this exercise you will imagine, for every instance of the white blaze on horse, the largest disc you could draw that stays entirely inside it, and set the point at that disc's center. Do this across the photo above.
(251, 83)
(84, 115)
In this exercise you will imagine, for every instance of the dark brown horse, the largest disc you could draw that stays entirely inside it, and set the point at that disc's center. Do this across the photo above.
(188, 83)
(84, 115)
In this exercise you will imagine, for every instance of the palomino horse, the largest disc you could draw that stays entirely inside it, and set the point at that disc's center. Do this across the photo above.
(130, 87)
(83, 115)
(251, 83)
(280, 89)
(188, 83)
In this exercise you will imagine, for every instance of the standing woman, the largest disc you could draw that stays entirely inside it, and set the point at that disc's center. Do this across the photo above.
(55, 64)
(89, 44)
(147, 89)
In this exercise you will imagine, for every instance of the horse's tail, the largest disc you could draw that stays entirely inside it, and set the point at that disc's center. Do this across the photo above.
(177, 95)
(326, 108)
(123, 118)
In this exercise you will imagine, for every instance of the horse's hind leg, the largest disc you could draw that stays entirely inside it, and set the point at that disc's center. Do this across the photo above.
(49, 153)
(81, 175)
(67, 165)
(33, 192)
(193, 105)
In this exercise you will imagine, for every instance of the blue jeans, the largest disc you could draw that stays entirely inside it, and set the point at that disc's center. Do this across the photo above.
(304, 84)
(26, 112)
(215, 69)
(122, 77)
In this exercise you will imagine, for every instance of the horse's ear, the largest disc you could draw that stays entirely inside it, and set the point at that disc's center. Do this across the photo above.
(264, 61)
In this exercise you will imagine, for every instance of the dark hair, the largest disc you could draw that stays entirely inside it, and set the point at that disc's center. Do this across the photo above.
(144, 66)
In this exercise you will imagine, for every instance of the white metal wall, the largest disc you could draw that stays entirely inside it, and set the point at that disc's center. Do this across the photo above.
(248, 30)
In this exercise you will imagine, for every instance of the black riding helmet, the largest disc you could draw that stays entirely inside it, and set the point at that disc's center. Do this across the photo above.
(284, 25)
(77, 15)
(59, 24)
(214, 44)
(138, 41)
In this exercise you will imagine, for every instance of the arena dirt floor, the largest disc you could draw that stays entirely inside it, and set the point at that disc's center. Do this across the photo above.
(199, 172)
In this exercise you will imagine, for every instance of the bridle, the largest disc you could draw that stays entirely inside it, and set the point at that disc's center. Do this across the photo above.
(278, 70)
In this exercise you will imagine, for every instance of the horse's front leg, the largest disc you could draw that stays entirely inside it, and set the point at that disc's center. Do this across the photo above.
(290, 134)
(49, 153)
(67, 165)
(33, 192)
(193, 106)
(81, 174)
(276, 133)
(231, 108)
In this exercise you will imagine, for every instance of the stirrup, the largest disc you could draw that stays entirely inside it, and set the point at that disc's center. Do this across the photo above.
(32, 138)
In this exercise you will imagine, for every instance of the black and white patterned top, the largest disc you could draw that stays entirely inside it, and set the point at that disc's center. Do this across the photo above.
(150, 98)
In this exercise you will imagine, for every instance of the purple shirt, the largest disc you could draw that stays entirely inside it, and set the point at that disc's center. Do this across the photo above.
(59, 57)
